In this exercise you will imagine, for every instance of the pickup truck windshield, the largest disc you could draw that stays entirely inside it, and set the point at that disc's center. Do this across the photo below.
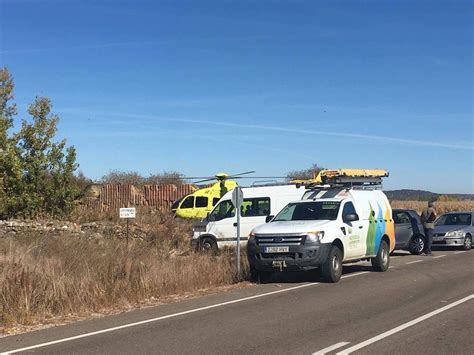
(309, 211)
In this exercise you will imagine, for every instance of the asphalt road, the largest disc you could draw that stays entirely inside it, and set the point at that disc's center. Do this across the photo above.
(422, 305)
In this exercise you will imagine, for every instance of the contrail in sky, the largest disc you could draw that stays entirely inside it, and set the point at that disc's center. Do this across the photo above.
(385, 139)
(126, 44)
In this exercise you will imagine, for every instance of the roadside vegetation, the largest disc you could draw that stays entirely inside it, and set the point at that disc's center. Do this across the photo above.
(441, 206)
(47, 278)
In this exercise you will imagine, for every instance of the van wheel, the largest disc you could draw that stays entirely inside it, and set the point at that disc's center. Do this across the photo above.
(208, 245)
(417, 245)
(259, 276)
(467, 242)
(382, 261)
(331, 270)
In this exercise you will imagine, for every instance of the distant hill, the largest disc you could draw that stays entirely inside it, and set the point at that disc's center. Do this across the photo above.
(421, 195)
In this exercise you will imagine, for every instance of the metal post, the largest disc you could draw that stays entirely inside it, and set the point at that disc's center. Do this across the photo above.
(127, 232)
(238, 240)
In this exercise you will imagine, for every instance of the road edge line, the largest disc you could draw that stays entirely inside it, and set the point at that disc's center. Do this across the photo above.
(331, 348)
(172, 315)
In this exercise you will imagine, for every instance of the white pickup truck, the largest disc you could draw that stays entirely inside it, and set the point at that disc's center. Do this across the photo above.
(327, 228)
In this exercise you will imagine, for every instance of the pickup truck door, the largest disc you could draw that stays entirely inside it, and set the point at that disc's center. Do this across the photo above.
(354, 232)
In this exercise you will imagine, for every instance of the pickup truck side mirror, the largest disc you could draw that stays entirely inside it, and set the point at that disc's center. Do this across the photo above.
(350, 217)
(269, 218)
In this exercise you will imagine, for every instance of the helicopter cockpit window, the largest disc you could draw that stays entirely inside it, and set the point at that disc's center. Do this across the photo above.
(176, 203)
(188, 202)
(201, 201)
(224, 209)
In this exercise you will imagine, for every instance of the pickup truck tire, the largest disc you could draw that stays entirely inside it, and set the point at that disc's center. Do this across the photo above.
(382, 261)
(259, 276)
(467, 242)
(331, 270)
(417, 245)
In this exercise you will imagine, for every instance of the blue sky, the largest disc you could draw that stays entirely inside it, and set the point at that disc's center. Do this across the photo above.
(206, 86)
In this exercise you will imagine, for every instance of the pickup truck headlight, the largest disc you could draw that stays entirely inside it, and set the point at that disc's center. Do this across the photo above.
(314, 236)
(455, 234)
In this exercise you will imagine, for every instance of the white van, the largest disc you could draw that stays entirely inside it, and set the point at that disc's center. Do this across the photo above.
(218, 229)
(329, 227)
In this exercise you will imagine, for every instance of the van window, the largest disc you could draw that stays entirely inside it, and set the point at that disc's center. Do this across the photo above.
(254, 207)
(188, 202)
(201, 201)
(348, 209)
(225, 209)
(215, 200)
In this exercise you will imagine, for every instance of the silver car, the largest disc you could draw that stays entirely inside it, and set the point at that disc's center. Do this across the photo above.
(454, 229)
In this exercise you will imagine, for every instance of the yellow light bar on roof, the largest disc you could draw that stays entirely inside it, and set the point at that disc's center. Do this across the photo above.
(354, 173)
(328, 174)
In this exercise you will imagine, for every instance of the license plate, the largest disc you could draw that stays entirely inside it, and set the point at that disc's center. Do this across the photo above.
(438, 239)
(277, 249)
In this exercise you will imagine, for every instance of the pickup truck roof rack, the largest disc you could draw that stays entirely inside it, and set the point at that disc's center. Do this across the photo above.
(346, 178)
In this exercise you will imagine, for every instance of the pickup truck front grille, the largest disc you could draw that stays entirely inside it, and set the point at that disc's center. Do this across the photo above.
(286, 239)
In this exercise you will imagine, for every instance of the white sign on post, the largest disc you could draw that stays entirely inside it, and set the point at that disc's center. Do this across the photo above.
(129, 212)
(237, 197)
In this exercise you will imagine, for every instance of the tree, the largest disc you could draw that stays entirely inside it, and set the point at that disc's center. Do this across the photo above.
(166, 177)
(37, 172)
(137, 180)
(7, 112)
(305, 174)
(123, 177)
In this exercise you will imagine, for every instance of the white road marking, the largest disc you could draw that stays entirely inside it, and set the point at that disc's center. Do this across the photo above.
(173, 315)
(439, 256)
(356, 274)
(331, 348)
(459, 252)
(415, 261)
(404, 326)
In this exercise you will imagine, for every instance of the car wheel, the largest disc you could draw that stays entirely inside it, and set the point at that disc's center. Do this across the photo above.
(417, 245)
(331, 270)
(382, 261)
(208, 245)
(467, 242)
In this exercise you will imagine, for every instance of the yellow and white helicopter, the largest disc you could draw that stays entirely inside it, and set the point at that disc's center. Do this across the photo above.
(199, 203)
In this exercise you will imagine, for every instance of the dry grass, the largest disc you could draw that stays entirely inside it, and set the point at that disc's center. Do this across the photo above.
(441, 206)
(43, 277)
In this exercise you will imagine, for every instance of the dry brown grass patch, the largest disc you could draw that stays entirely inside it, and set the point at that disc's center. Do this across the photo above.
(44, 277)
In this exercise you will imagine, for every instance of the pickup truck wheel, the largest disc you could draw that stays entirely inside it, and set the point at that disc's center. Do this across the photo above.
(382, 261)
(417, 245)
(467, 242)
(259, 276)
(208, 245)
(331, 270)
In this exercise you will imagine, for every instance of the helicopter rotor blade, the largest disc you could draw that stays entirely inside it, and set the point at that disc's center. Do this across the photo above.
(239, 174)
(196, 177)
(205, 180)
(265, 177)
